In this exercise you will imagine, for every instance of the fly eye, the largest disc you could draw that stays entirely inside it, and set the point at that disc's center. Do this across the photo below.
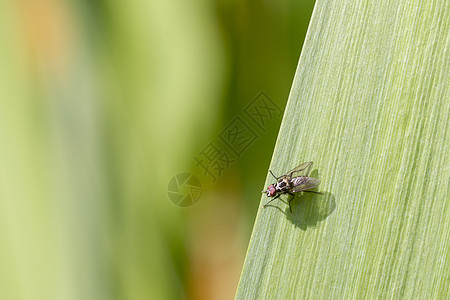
(272, 192)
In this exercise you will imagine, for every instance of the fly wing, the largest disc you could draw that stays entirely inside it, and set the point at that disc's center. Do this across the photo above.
(304, 183)
(300, 171)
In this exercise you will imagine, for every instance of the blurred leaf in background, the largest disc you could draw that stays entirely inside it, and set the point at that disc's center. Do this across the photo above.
(101, 104)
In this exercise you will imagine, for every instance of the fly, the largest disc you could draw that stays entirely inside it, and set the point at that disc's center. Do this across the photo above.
(294, 181)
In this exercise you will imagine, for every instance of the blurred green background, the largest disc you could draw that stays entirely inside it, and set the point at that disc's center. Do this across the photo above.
(101, 104)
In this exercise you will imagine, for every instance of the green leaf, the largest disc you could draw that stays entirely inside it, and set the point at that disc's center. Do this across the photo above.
(370, 106)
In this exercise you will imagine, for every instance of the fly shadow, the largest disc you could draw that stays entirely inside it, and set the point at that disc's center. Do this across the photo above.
(308, 209)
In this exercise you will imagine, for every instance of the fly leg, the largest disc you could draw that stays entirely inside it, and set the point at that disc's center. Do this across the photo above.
(292, 197)
(271, 200)
(275, 176)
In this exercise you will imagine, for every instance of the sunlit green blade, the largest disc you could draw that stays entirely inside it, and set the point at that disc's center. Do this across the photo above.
(370, 106)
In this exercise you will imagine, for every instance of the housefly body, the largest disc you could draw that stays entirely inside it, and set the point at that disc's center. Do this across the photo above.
(294, 181)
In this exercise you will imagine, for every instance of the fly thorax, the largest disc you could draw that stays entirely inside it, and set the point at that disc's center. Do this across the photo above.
(283, 184)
